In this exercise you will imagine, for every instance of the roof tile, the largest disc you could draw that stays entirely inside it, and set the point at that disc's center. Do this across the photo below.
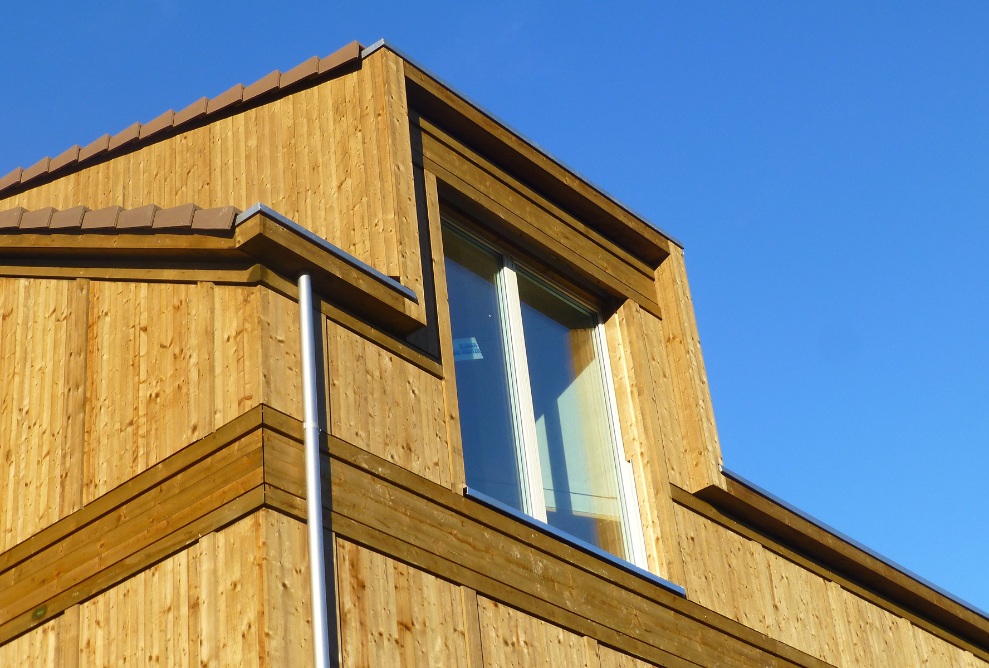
(127, 135)
(225, 99)
(201, 107)
(37, 219)
(175, 217)
(37, 169)
(299, 72)
(140, 218)
(96, 147)
(221, 218)
(266, 84)
(158, 124)
(64, 159)
(192, 112)
(11, 218)
(68, 219)
(101, 219)
(341, 56)
(11, 179)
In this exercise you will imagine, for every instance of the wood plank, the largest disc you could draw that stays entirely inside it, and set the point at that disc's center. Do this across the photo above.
(42, 354)
(458, 475)
(635, 364)
(691, 391)
(285, 606)
(533, 230)
(603, 251)
(390, 408)
(813, 564)
(31, 584)
(392, 614)
(545, 175)
(513, 639)
(454, 536)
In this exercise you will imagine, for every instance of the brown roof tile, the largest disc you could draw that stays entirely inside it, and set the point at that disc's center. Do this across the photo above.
(37, 219)
(176, 216)
(225, 99)
(11, 217)
(158, 124)
(202, 107)
(37, 169)
(193, 111)
(215, 219)
(265, 84)
(11, 179)
(68, 219)
(341, 56)
(64, 159)
(101, 219)
(299, 72)
(96, 147)
(185, 217)
(127, 135)
(140, 218)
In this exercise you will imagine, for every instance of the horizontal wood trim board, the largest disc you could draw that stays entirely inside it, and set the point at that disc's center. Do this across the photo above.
(461, 119)
(201, 488)
(363, 329)
(441, 147)
(117, 271)
(536, 231)
(260, 240)
(801, 545)
(390, 501)
(495, 589)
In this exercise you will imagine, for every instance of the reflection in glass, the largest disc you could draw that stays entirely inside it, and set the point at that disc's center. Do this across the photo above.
(486, 424)
(576, 452)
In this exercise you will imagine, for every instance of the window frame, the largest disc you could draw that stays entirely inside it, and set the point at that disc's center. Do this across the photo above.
(526, 445)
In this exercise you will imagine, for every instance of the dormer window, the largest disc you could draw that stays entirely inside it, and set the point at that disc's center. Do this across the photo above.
(537, 413)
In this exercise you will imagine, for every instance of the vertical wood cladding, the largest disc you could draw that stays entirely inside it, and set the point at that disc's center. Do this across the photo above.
(107, 378)
(392, 614)
(696, 463)
(741, 579)
(238, 597)
(383, 404)
(336, 158)
(43, 367)
(104, 377)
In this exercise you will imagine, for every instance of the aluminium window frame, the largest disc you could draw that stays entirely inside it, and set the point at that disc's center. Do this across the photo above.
(524, 428)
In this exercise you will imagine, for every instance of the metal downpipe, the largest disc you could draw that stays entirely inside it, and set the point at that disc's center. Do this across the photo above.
(314, 496)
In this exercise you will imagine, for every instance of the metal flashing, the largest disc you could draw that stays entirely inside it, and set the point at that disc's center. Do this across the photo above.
(573, 541)
(381, 44)
(325, 245)
(851, 541)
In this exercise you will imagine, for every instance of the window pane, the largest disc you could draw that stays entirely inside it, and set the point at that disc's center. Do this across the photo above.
(486, 424)
(576, 450)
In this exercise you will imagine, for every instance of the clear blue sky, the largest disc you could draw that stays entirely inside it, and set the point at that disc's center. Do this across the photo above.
(825, 165)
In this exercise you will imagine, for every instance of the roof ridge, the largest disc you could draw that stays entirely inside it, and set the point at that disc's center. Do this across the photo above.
(197, 111)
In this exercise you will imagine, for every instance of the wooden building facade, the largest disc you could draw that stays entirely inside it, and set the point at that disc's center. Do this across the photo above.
(153, 507)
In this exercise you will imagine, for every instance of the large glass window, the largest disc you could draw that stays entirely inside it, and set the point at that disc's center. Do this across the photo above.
(536, 409)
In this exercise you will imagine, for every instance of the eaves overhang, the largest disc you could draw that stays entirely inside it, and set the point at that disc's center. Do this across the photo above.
(427, 94)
